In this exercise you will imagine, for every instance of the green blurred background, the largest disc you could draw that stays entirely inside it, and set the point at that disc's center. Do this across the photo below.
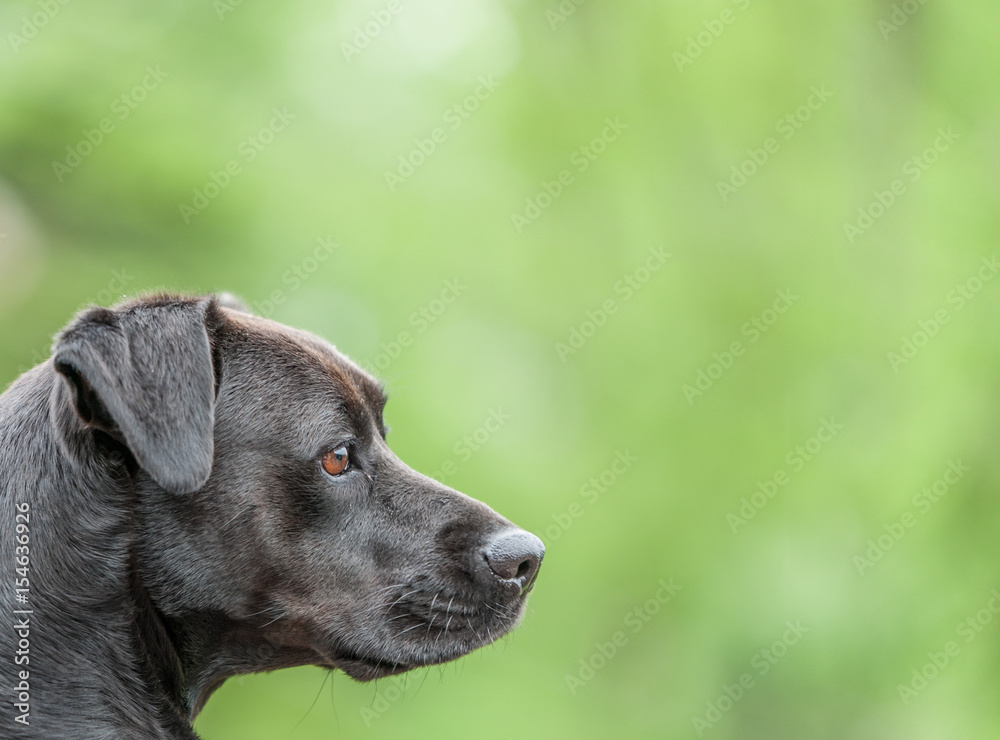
(490, 176)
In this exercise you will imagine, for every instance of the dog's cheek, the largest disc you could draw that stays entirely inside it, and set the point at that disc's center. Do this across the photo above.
(302, 502)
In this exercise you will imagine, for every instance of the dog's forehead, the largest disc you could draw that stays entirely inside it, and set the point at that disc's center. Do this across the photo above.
(309, 352)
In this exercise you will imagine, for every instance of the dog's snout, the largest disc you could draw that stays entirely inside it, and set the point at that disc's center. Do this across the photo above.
(515, 556)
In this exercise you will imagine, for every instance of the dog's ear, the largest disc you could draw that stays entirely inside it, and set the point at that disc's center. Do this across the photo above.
(144, 373)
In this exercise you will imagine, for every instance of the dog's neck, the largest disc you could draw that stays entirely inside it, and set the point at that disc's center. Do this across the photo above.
(159, 652)
(213, 648)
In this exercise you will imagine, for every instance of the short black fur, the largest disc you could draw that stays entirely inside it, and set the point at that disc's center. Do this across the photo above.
(183, 530)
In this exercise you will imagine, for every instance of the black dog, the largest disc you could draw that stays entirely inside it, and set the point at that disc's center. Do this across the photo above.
(188, 493)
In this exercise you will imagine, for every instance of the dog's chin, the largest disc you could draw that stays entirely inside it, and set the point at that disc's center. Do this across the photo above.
(364, 669)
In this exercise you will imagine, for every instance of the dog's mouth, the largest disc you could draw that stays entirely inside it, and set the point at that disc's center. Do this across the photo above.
(419, 627)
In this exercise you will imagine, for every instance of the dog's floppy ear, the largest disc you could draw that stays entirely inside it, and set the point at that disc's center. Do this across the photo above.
(144, 373)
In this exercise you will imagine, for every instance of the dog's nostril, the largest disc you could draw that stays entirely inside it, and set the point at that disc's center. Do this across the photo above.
(524, 566)
(515, 556)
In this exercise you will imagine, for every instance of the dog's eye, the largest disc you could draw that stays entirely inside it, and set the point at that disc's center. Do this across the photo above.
(336, 460)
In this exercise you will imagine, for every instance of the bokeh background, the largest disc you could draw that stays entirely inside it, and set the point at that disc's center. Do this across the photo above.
(489, 177)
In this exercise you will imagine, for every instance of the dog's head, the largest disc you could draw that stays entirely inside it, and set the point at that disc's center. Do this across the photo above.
(274, 526)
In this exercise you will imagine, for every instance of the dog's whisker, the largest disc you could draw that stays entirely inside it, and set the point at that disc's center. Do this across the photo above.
(266, 624)
(469, 622)
(431, 611)
(262, 611)
(422, 681)
(409, 593)
(388, 588)
(380, 605)
(313, 703)
(501, 611)
(333, 703)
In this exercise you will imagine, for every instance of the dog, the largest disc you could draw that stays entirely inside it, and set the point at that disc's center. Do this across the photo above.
(190, 492)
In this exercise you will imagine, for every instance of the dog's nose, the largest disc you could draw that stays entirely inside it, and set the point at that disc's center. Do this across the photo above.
(515, 555)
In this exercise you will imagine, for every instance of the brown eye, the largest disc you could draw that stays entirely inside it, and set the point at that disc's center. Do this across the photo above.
(335, 462)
